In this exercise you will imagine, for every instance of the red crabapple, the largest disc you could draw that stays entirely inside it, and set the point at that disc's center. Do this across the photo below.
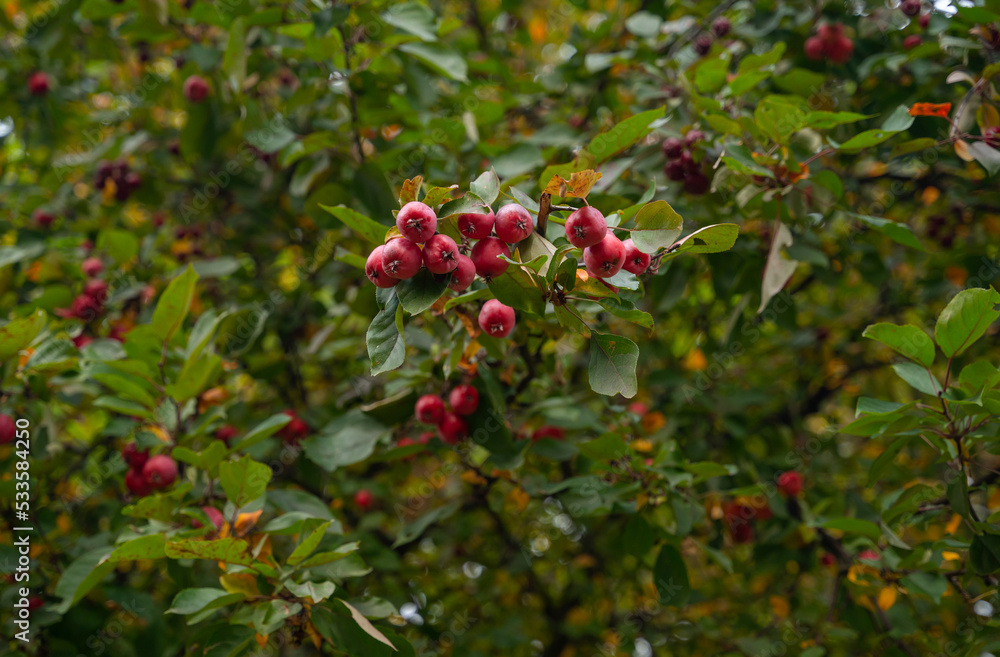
(702, 44)
(606, 258)
(585, 227)
(476, 226)
(44, 219)
(375, 271)
(8, 430)
(214, 515)
(463, 275)
(830, 31)
(160, 471)
(790, 483)
(912, 41)
(839, 50)
(137, 484)
(635, 260)
(696, 182)
(513, 223)
(672, 147)
(92, 267)
(464, 399)
(429, 409)
(96, 289)
(416, 221)
(226, 433)
(548, 431)
(925, 20)
(295, 430)
(195, 89)
(693, 137)
(485, 256)
(814, 48)
(401, 258)
(135, 458)
(364, 498)
(453, 428)
(39, 83)
(496, 319)
(440, 254)
(910, 7)
(721, 26)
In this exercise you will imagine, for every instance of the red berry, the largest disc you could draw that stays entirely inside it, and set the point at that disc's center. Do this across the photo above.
(364, 498)
(440, 254)
(405, 441)
(416, 222)
(912, 41)
(991, 136)
(840, 50)
(606, 258)
(92, 267)
(693, 137)
(401, 258)
(830, 31)
(195, 89)
(703, 44)
(82, 341)
(464, 399)
(375, 271)
(39, 84)
(910, 7)
(295, 430)
(675, 170)
(425, 437)
(672, 147)
(925, 20)
(8, 429)
(160, 471)
(137, 484)
(496, 319)
(721, 26)
(452, 428)
(586, 227)
(548, 431)
(828, 559)
(486, 257)
(635, 260)
(214, 515)
(869, 555)
(513, 223)
(814, 48)
(742, 533)
(96, 289)
(135, 458)
(696, 182)
(43, 219)
(476, 226)
(226, 432)
(463, 275)
(35, 602)
(638, 408)
(790, 483)
(84, 307)
(429, 409)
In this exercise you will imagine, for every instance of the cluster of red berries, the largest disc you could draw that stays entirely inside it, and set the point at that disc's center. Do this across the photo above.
(125, 181)
(681, 165)
(604, 255)
(702, 43)
(89, 304)
(422, 246)
(196, 88)
(39, 83)
(147, 473)
(8, 429)
(452, 427)
(913, 8)
(740, 516)
(829, 42)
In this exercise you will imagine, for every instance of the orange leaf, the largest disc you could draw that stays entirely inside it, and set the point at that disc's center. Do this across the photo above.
(578, 185)
(931, 109)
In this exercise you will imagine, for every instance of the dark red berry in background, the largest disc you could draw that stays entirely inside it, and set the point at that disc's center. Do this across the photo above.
(463, 275)
(429, 409)
(702, 44)
(925, 20)
(376, 272)
(463, 399)
(416, 222)
(364, 498)
(814, 48)
(135, 458)
(513, 223)
(485, 256)
(790, 483)
(214, 516)
(137, 484)
(675, 170)
(39, 83)
(160, 471)
(8, 429)
(696, 183)
(43, 219)
(496, 319)
(226, 433)
(672, 147)
(96, 289)
(549, 432)
(452, 428)
(195, 89)
(912, 41)
(840, 50)
(440, 254)
(585, 227)
(693, 137)
(910, 7)
(92, 267)
(721, 26)
(401, 258)
(476, 226)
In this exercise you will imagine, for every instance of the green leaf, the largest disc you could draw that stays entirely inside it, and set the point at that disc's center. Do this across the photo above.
(158, 506)
(324, 558)
(347, 440)
(413, 530)
(87, 572)
(711, 239)
(672, 583)
(907, 340)
(191, 601)
(739, 159)
(445, 60)
(486, 187)
(855, 526)
(965, 319)
(419, 293)
(173, 305)
(262, 431)
(779, 117)
(367, 228)
(825, 120)
(885, 459)
(195, 377)
(612, 364)
(366, 625)
(386, 346)
(919, 377)
(657, 226)
(933, 585)
(244, 480)
(414, 18)
(622, 135)
(18, 334)
(898, 232)
(234, 62)
(984, 554)
(229, 550)
(308, 544)
(315, 590)
(517, 289)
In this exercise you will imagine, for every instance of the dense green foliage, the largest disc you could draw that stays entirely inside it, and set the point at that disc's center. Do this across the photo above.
(780, 438)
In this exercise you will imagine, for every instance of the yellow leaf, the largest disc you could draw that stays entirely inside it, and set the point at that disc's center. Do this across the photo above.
(578, 185)
(953, 524)
(244, 583)
(780, 606)
(245, 521)
(261, 639)
(520, 498)
(950, 556)
(962, 150)
(886, 598)
(695, 361)
(317, 639)
(471, 477)
(642, 445)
